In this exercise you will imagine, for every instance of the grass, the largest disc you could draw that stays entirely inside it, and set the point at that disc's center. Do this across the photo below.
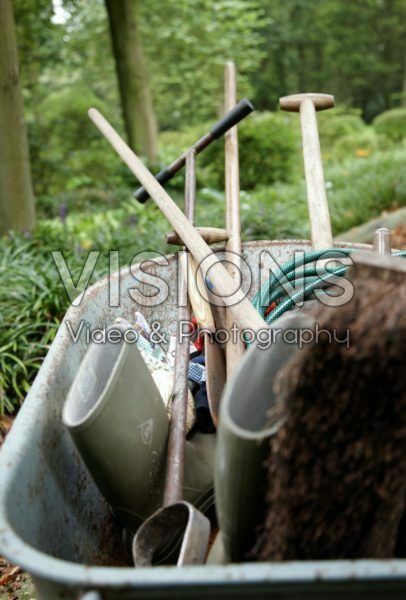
(33, 300)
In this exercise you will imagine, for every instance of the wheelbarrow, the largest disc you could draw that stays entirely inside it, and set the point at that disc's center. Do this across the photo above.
(55, 524)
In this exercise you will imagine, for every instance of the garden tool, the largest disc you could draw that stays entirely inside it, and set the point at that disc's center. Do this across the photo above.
(319, 215)
(236, 113)
(244, 430)
(234, 350)
(214, 354)
(306, 105)
(221, 282)
(119, 424)
(336, 484)
(176, 518)
(216, 378)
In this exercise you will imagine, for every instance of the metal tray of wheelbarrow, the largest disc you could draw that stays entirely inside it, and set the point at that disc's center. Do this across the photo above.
(55, 524)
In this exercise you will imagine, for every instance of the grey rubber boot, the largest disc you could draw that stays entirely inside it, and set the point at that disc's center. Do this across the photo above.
(243, 439)
(119, 424)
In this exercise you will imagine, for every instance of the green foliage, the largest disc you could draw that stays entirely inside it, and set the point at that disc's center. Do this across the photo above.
(67, 151)
(279, 48)
(186, 58)
(362, 189)
(353, 50)
(392, 124)
(336, 124)
(269, 145)
(358, 190)
(31, 309)
(360, 145)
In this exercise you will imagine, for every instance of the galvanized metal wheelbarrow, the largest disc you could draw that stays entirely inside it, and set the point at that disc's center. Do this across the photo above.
(56, 525)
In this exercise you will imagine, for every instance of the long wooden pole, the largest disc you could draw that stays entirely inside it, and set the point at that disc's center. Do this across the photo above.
(244, 313)
(320, 224)
(234, 351)
(307, 105)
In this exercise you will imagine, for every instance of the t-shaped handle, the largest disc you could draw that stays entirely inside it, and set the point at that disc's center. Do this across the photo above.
(306, 105)
(293, 103)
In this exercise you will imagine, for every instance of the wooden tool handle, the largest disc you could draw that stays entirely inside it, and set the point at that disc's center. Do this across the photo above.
(320, 101)
(234, 351)
(235, 115)
(244, 313)
(211, 235)
(320, 223)
(200, 307)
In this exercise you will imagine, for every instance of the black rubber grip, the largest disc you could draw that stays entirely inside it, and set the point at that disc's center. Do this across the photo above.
(240, 110)
(163, 176)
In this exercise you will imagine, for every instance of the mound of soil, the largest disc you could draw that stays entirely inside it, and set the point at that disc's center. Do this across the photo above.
(337, 466)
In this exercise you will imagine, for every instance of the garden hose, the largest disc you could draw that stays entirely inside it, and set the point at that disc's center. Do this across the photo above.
(305, 279)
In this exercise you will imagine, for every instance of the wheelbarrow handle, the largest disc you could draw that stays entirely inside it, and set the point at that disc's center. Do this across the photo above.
(234, 116)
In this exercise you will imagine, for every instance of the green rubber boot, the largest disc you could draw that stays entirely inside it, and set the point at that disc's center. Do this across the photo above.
(243, 440)
(119, 424)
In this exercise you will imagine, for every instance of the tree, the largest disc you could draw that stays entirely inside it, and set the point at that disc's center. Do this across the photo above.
(139, 116)
(187, 43)
(17, 209)
(350, 49)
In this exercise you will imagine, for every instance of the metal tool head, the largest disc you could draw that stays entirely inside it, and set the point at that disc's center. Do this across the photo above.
(292, 103)
(176, 534)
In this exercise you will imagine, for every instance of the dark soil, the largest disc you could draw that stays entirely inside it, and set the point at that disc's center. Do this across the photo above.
(399, 237)
(337, 466)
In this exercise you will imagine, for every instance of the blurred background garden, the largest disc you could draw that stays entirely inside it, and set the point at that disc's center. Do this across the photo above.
(154, 68)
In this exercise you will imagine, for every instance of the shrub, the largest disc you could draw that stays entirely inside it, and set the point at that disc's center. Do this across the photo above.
(268, 146)
(357, 190)
(358, 145)
(336, 124)
(363, 189)
(391, 124)
(67, 151)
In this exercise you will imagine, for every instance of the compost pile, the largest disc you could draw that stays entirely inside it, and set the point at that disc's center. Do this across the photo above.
(336, 467)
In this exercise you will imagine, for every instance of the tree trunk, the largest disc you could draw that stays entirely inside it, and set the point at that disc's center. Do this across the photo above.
(17, 209)
(139, 116)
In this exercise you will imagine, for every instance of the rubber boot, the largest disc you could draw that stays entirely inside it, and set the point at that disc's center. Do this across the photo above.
(243, 439)
(119, 424)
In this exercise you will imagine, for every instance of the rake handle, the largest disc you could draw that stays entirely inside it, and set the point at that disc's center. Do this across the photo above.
(244, 313)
